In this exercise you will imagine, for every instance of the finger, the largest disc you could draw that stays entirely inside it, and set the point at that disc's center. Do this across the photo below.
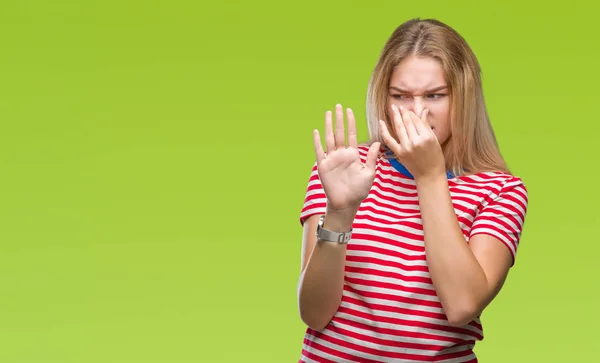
(352, 138)
(329, 139)
(372, 155)
(388, 139)
(421, 124)
(409, 123)
(320, 154)
(340, 140)
(399, 127)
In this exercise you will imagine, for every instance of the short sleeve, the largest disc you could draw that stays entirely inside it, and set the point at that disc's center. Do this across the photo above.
(314, 200)
(503, 216)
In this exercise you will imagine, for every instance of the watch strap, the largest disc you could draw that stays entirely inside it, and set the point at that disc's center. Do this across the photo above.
(327, 235)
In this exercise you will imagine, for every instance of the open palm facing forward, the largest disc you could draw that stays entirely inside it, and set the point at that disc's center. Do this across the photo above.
(345, 178)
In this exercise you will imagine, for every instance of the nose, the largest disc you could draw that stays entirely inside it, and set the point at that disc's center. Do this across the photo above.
(417, 106)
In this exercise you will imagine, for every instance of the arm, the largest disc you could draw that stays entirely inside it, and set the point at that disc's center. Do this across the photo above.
(466, 276)
(345, 180)
(322, 274)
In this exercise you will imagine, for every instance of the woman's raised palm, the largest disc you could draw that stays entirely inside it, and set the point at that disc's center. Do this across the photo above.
(345, 179)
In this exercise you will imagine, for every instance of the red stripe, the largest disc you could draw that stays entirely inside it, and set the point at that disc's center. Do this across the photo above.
(402, 333)
(315, 357)
(391, 173)
(334, 352)
(375, 192)
(400, 222)
(481, 191)
(394, 243)
(316, 186)
(394, 231)
(413, 194)
(376, 262)
(386, 353)
(393, 309)
(461, 208)
(387, 342)
(390, 286)
(468, 223)
(508, 229)
(394, 298)
(493, 178)
(503, 203)
(395, 256)
(412, 323)
(479, 230)
(314, 206)
(406, 213)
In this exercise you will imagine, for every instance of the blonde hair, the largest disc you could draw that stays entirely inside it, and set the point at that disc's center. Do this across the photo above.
(472, 145)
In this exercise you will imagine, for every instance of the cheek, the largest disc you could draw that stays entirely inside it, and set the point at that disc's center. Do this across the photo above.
(390, 112)
(440, 115)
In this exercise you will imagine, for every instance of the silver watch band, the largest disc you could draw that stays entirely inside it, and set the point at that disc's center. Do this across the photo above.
(326, 235)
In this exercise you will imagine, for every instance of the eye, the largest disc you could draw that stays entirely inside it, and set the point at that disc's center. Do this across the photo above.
(400, 97)
(436, 96)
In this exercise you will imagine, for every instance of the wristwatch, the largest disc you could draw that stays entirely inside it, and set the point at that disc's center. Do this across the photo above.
(326, 235)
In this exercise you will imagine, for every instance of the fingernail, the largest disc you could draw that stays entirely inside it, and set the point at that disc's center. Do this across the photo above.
(349, 109)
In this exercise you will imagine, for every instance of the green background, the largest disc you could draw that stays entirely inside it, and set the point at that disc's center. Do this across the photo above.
(154, 158)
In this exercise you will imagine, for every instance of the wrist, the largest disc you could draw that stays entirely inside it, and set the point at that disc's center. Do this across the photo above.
(339, 220)
(432, 180)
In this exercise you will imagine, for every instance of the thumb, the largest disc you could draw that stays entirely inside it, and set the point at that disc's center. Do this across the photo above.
(425, 117)
(372, 155)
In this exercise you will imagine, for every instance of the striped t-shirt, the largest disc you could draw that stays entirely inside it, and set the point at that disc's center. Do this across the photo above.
(390, 311)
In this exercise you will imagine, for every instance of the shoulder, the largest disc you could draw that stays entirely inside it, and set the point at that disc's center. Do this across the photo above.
(499, 185)
(499, 178)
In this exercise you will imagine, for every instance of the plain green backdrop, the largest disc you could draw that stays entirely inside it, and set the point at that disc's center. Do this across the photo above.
(154, 157)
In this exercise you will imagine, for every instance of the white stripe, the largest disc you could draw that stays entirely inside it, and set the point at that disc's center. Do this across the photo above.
(399, 269)
(342, 348)
(379, 279)
(400, 339)
(390, 247)
(320, 353)
(393, 292)
(388, 208)
(394, 315)
(382, 348)
(501, 237)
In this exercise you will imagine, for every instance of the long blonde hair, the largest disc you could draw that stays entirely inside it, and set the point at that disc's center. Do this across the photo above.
(472, 145)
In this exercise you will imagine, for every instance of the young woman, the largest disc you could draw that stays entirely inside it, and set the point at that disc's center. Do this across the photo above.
(409, 237)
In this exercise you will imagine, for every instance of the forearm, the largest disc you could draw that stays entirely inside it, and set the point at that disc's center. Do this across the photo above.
(459, 280)
(321, 283)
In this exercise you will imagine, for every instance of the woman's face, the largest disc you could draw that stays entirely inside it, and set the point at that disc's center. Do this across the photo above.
(418, 83)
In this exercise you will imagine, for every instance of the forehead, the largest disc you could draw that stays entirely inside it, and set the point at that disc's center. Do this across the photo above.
(418, 74)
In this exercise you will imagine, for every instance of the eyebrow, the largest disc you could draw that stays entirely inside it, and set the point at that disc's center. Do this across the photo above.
(429, 91)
